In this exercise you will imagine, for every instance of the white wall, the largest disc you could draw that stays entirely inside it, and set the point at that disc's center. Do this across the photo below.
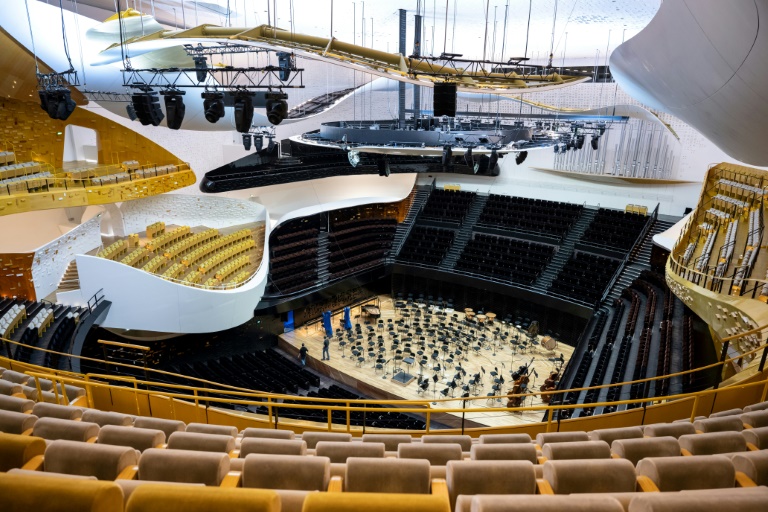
(80, 144)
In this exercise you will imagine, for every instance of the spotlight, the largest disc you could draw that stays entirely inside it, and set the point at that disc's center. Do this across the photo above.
(247, 141)
(57, 102)
(556, 148)
(147, 107)
(174, 107)
(277, 110)
(131, 112)
(201, 67)
(579, 141)
(447, 159)
(258, 142)
(43, 99)
(569, 145)
(285, 62)
(521, 156)
(594, 142)
(353, 157)
(601, 128)
(213, 105)
(383, 166)
(243, 110)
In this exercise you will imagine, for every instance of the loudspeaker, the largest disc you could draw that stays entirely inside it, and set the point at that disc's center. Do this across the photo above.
(277, 110)
(147, 106)
(444, 100)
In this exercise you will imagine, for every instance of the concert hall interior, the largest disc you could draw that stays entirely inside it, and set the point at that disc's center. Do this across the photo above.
(337, 255)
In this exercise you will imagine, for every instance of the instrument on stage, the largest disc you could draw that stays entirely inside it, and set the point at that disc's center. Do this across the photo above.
(521, 379)
(549, 343)
(550, 384)
(372, 310)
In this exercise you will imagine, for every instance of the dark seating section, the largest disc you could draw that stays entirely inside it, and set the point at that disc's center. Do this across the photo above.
(448, 205)
(506, 259)
(426, 246)
(584, 277)
(688, 360)
(293, 255)
(358, 244)
(537, 216)
(614, 229)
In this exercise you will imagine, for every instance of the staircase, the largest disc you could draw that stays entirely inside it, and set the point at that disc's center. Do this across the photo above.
(464, 233)
(404, 228)
(322, 258)
(565, 250)
(71, 279)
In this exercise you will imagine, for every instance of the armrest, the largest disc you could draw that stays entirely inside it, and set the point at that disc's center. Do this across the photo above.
(92, 439)
(28, 432)
(752, 448)
(742, 480)
(544, 487)
(162, 446)
(645, 484)
(232, 479)
(439, 488)
(685, 453)
(234, 454)
(541, 460)
(129, 473)
(34, 464)
(336, 484)
(746, 426)
(614, 456)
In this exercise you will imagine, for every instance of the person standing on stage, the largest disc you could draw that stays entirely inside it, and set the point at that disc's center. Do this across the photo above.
(326, 354)
(303, 355)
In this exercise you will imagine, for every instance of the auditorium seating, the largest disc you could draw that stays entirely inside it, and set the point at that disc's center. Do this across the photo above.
(447, 205)
(506, 259)
(526, 215)
(426, 246)
(614, 229)
(293, 261)
(584, 277)
(357, 244)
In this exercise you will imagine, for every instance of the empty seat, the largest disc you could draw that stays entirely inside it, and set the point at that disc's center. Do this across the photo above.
(137, 438)
(761, 406)
(589, 476)
(669, 429)
(289, 472)
(391, 441)
(729, 412)
(65, 412)
(504, 438)
(546, 503)
(712, 443)
(267, 445)
(511, 451)
(577, 450)
(207, 468)
(201, 442)
(204, 428)
(387, 476)
(15, 377)
(103, 418)
(743, 500)
(12, 422)
(757, 437)
(268, 433)
(467, 478)
(57, 428)
(753, 464)
(129, 486)
(162, 498)
(464, 441)
(22, 493)
(755, 419)
(721, 424)
(312, 438)
(339, 452)
(103, 461)
(9, 388)
(678, 473)
(167, 426)
(12, 403)
(636, 449)
(356, 502)
(560, 437)
(436, 454)
(609, 435)
(16, 450)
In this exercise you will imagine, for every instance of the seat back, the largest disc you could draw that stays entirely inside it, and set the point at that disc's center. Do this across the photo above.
(65, 412)
(755, 419)
(756, 436)
(512, 451)
(167, 426)
(387, 476)
(368, 502)
(545, 503)
(186, 466)
(271, 446)
(577, 450)
(201, 442)
(673, 429)
(391, 441)
(722, 424)
(9, 388)
(609, 435)
(162, 498)
(713, 443)
(436, 454)
(312, 438)
(16, 404)
(761, 406)
(22, 493)
(103, 418)
(464, 441)
(678, 473)
(489, 477)
(339, 452)
(15, 377)
(635, 449)
(204, 428)
(268, 433)
(753, 464)
(16, 450)
(103, 461)
(743, 500)
(289, 472)
(590, 476)
(504, 438)
(560, 437)
(12, 422)
(137, 438)
(729, 412)
(56, 428)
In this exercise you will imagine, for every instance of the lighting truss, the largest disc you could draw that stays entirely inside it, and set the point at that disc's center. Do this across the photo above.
(107, 96)
(267, 77)
(451, 67)
(57, 80)
(222, 49)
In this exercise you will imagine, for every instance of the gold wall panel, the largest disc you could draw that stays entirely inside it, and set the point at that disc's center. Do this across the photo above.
(16, 275)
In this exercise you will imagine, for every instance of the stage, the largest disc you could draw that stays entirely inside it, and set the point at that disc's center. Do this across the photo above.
(447, 340)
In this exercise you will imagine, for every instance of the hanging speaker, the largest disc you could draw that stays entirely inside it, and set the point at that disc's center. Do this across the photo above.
(444, 100)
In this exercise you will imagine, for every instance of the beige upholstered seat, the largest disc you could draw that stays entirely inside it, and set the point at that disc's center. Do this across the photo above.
(669, 429)
(103, 418)
(753, 464)
(22, 493)
(713, 443)
(188, 466)
(129, 486)
(267, 446)
(137, 438)
(539, 503)
(204, 428)
(729, 412)
(391, 441)
(743, 500)
(721, 424)
(560, 437)
(12, 403)
(12, 422)
(201, 442)
(609, 435)
(387, 476)
(103, 461)
(164, 498)
(9, 388)
(757, 437)
(361, 501)
(72, 392)
(15, 450)
(504, 438)
(755, 419)
(290, 472)
(312, 438)
(577, 450)
(15, 377)
(167, 426)
(436, 454)
(464, 441)
(268, 433)
(511, 451)
(761, 406)
(57, 428)
(678, 473)
(468, 478)
(34, 474)
(341, 451)
(636, 449)
(590, 476)
(65, 412)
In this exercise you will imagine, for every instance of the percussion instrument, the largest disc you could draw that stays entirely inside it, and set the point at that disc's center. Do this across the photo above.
(549, 343)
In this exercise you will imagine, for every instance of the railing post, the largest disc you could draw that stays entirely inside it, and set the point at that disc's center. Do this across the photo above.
(695, 407)
(723, 354)
(330, 420)
(197, 404)
(348, 415)
(550, 413)
(429, 415)
(762, 359)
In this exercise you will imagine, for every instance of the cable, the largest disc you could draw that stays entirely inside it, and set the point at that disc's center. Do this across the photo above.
(79, 42)
(31, 35)
(64, 35)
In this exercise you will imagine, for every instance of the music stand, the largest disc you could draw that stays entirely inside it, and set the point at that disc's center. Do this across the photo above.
(434, 388)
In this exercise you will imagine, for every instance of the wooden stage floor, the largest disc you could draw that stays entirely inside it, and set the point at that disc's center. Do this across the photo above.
(365, 377)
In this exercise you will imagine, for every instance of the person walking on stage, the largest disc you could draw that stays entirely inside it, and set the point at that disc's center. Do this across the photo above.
(326, 354)
(303, 355)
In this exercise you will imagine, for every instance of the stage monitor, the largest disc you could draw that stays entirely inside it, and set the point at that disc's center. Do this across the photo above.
(445, 100)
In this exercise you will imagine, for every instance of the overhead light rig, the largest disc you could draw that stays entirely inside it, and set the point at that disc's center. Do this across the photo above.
(452, 68)
(55, 96)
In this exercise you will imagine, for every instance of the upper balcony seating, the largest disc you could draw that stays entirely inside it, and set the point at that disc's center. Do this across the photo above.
(357, 244)
(507, 259)
(584, 277)
(614, 229)
(448, 205)
(426, 246)
(293, 255)
(538, 216)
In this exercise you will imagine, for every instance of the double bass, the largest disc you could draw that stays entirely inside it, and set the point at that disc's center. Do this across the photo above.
(550, 384)
(520, 385)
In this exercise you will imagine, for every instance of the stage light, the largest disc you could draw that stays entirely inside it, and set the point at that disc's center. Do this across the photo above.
(213, 105)
(174, 107)
(579, 142)
(383, 166)
(556, 148)
(131, 112)
(201, 65)
(258, 142)
(277, 110)
(285, 62)
(569, 145)
(147, 107)
(601, 128)
(353, 157)
(495, 160)
(468, 161)
(247, 141)
(594, 142)
(43, 99)
(521, 156)
(447, 160)
(57, 103)
(243, 110)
